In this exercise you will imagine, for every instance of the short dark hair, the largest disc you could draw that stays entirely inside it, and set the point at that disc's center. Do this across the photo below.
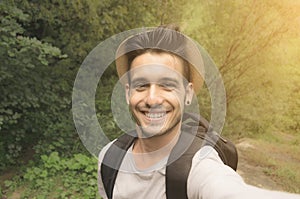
(155, 42)
(133, 54)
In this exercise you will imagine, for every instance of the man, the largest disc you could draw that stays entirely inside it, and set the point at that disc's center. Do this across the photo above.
(162, 70)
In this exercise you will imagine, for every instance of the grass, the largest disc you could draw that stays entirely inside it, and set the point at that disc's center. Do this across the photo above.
(56, 177)
(278, 153)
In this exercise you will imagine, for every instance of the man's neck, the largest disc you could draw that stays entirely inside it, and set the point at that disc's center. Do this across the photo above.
(156, 143)
(149, 151)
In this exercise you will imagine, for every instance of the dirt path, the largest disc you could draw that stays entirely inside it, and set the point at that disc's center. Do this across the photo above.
(252, 173)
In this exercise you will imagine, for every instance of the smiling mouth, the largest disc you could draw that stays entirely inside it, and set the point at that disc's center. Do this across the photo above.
(154, 116)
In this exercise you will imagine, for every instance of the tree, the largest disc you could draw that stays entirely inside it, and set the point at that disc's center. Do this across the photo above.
(239, 35)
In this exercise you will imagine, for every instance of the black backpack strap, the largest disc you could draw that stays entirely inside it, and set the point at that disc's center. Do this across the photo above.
(112, 161)
(225, 148)
(177, 170)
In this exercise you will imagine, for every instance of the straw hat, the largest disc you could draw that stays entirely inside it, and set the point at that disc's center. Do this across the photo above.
(154, 39)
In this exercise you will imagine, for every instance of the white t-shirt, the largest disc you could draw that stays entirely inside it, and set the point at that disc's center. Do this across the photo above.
(209, 178)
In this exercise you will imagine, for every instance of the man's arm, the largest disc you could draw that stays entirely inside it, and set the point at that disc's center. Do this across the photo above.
(209, 178)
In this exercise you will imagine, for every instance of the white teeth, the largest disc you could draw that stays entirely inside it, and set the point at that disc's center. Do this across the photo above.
(155, 115)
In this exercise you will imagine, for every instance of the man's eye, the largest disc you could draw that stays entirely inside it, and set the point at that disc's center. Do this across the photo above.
(139, 86)
(168, 85)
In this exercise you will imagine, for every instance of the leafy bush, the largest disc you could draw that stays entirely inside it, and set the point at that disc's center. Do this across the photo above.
(26, 85)
(59, 177)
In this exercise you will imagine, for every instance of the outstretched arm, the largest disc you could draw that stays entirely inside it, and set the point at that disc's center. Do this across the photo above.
(209, 178)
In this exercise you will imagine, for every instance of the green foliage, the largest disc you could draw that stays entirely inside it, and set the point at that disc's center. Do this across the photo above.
(59, 177)
(26, 84)
(77, 26)
(36, 78)
(42, 45)
(103, 106)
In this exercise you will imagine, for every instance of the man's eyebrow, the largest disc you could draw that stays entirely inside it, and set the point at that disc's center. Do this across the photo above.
(169, 79)
(164, 79)
(139, 79)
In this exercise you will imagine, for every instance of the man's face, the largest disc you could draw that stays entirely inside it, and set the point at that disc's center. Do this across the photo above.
(156, 93)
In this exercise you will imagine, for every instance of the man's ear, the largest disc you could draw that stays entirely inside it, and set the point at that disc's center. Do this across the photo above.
(127, 93)
(189, 93)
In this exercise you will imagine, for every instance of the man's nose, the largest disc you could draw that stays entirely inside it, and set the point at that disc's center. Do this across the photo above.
(154, 96)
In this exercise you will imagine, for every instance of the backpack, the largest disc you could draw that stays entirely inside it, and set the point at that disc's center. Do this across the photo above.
(176, 182)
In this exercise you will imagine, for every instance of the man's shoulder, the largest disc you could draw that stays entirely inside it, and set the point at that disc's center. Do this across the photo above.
(104, 150)
(207, 152)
